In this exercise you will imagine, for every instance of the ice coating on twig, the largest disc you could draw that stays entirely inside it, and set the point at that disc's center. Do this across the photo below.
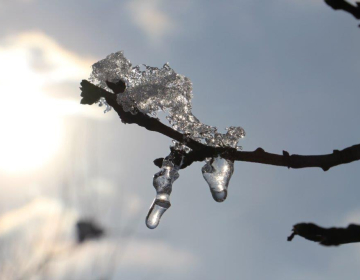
(217, 173)
(160, 89)
(101, 102)
(162, 182)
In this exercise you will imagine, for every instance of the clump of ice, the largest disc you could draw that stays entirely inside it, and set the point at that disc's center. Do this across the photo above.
(217, 173)
(102, 102)
(160, 89)
(163, 181)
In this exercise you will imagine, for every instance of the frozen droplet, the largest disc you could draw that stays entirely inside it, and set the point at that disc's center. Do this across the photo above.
(107, 109)
(217, 173)
(102, 102)
(162, 183)
(157, 209)
(219, 196)
(180, 147)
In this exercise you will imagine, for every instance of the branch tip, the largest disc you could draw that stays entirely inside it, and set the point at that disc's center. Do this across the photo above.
(327, 236)
(291, 237)
(158, 162)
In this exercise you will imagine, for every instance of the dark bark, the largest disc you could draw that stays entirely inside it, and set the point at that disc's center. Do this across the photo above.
(92, 93)
(345, 6)
(327, 236)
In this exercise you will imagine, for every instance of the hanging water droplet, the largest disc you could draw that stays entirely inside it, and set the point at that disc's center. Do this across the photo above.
(102, 102)
(162, 182)
(217, 173)
(107, 109)
(157, 209)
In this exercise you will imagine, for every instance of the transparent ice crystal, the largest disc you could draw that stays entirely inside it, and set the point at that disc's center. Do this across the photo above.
(160, 89)
(102, 102)
(162, 182)
(217, 173)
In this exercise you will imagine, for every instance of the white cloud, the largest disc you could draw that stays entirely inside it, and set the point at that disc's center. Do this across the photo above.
(149, 17)
(36, 48)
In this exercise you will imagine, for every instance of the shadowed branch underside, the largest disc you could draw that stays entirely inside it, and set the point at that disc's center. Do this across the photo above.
(327, 236)
(345, 6)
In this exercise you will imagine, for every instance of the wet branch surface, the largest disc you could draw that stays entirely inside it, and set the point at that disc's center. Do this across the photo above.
(327, 236)
(345, 6)
(92, 94)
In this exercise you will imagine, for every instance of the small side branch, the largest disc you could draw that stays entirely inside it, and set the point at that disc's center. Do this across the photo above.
(345, 6)
(200, 152)
(327, 236)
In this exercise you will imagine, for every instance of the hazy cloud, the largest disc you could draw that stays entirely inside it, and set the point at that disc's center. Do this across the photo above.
(46, 57)
(32, 63)
(33, 232)
(151, 19)
(41, 210)
(45, 225)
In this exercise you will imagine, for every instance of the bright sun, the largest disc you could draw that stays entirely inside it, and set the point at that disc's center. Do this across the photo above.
(31, 132)
(31, 137)
(31, 123)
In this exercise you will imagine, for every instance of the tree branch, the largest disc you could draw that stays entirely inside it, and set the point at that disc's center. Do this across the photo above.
(345, 6)
(327, 236)
(200, 152)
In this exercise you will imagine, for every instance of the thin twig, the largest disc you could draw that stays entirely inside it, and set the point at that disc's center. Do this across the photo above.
(345, 6)
(327, 236)
(92, 93)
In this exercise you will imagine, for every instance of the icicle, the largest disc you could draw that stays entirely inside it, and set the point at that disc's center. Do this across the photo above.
(217, 173)
(162, 182)
(157, 209)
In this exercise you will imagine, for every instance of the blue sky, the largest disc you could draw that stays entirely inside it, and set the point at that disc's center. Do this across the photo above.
(286, 71)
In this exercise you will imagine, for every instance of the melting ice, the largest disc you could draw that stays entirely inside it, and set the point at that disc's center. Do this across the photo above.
(217, 173)
(162, 182)
(101, 102)
(160, 89)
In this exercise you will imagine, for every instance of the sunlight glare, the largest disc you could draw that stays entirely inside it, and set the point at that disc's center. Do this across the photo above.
(32, 123)
(31, 133)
